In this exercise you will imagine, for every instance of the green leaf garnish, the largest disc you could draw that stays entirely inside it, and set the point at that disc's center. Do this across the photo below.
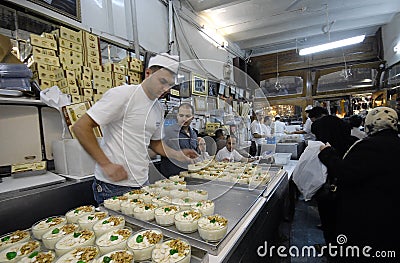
(11, 255)
(106, 259)
(77, 234)
(34, 254)
(199, 204)
(186, 200)
(135, 200)
(113, 238)
(76, 211)
(90, 217)
(81, 261)
(167, 209)
(55, 231)
(105, 222)
(185, 214)
(114, 198)
(173, 251)
(4, 239)
(213, 220)
(49, 220)
(139, 239)
(146, 207)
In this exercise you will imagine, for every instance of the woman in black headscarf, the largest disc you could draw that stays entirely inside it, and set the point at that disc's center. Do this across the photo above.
(368, 186)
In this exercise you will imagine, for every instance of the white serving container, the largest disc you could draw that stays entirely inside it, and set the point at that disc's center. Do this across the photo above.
(51, 237)
(282, 158)
(74, 214)
(88, 221)
(130, 204)
(144, 212)
(186, 221)
(212, 228)
(143, 242)
(39, 256)
(206, 207)
(107, 224)
(12, 238)
(113, 240)
(74, 240)
(14, 252)
(44, 225)
(162, 252)
(165, 215)
(114, 203)
(125, 254)
(88, 254)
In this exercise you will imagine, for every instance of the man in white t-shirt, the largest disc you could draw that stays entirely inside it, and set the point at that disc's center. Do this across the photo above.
(130, 117)
(306, 131)
(279, 126)
(258, 131)
(229, 154)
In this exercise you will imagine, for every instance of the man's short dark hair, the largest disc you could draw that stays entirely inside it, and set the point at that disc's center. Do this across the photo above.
(317, 112)
(355, 121)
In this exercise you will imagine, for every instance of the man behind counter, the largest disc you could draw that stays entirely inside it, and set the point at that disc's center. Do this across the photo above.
(229, 153)
(179, 136)
(130, 117)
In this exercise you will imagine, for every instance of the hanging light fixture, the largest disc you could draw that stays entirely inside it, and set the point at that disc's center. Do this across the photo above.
(277, 83)
(346, 72)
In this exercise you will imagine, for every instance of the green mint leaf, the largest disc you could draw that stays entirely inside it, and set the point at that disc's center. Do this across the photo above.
(106, 259)
(199, 204)
(213, 220)
(185, 214)
(34, 254)
(49, 220)
(113, 238)
(173, 251)
(90, 217)
(4, 239)
(77, 234)
(11, 255)
(105, 222)
(146, 207)
(139, 239)
(55, 231)
(167, 209)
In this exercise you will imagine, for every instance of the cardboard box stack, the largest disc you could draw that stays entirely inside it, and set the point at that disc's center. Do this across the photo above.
(72, 60)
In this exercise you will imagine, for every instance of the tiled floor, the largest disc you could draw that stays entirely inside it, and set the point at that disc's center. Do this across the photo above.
(301, 232)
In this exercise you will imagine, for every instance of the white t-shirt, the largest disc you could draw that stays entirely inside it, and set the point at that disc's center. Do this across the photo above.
(129, 120)
(279, 127)
(233, 156)
(260, 129)
(307, 128)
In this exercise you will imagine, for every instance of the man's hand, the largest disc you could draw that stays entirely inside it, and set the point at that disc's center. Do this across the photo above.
(186, 155)
(324, 146)
(115, 172)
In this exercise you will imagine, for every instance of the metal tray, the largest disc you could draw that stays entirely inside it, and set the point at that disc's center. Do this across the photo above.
(232, 202)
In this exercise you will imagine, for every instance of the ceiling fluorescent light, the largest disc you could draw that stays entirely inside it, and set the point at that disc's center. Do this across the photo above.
(332, 45)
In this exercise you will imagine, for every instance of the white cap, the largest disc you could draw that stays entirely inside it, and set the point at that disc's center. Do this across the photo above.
(165, 60)
(309, 107)
(277, 116)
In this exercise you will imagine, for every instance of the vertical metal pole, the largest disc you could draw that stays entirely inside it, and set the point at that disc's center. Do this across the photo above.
(170, 24)
(135, 30)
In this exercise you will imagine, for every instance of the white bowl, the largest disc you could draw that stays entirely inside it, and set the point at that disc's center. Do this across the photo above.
(173, 250)
(74, 214)
(161, 201)
(212, 228)
(186, 221)
(148, 196)
(117, 254)
(143, 242)
(179, 185)
(144, 212)
(184, 203)
(113, 240)
(88, 221)
(114, 203)
(13, 238)
(198, 195)
(179, 193)
(128, 205)
(87, 254)
(107, 224)
(74, 240)
(134, 194)
(44, 225)
(42, 256)
(18, 251)
(165, 215)
(51, 237)
(206, 207)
